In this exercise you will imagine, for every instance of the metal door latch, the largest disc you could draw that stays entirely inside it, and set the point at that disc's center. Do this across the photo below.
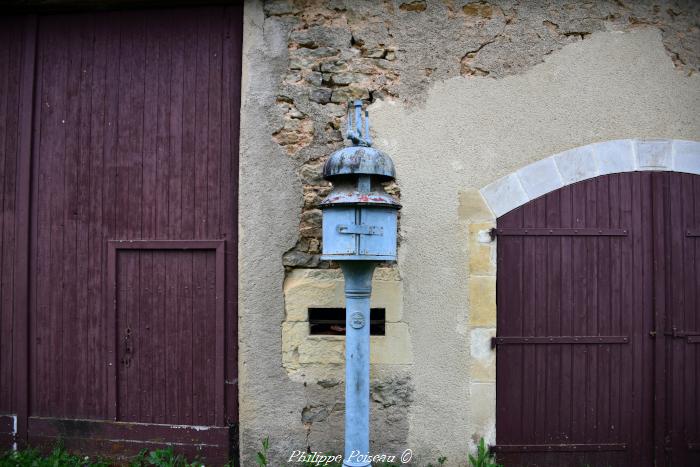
(693, 337)
(128, 349)
(360, 229)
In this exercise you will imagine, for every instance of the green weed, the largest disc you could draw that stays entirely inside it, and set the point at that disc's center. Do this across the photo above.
(261, 457)
(483, 457)
(162, 458)
(58, 457)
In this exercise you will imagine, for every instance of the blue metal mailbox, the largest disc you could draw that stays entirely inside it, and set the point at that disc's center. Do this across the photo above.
(359, 217)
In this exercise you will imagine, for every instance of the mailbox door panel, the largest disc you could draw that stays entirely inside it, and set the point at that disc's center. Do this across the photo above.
(334, 242)
(383, 244)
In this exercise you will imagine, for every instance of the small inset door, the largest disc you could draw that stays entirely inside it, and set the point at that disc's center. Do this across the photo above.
(169, 325)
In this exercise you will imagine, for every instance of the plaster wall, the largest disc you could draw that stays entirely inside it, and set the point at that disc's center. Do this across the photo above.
(437, 397)
(470, 132)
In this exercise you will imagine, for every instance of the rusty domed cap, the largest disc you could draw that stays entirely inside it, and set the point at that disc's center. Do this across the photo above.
(360, 158)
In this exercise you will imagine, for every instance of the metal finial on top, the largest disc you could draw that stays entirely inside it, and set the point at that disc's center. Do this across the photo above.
(356, 133)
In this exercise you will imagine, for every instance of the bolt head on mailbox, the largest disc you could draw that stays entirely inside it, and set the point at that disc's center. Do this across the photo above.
(359, 217)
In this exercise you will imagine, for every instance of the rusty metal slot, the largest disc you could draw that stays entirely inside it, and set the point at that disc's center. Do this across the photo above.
(360, 229)
(519, 340)
(559, 447)
(559, 232)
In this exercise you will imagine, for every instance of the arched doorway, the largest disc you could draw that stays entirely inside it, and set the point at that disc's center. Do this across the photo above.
(598, 324)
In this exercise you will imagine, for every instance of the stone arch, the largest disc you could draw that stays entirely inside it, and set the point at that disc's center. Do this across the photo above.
(584, 162)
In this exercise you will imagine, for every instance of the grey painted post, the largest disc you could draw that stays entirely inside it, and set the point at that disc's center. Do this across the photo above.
(359, 232)
(358, 288)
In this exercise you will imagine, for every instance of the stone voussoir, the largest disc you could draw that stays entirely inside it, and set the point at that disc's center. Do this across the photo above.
(584, 162)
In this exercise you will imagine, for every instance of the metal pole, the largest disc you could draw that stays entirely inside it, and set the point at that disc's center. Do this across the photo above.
(358, 288)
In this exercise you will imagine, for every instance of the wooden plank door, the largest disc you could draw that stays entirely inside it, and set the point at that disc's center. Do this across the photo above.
(169, 305)
(575, 361)
(679, 214)
(133, 241)
(599, 324)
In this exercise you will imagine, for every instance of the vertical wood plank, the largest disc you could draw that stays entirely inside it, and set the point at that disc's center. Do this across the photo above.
(661, 257)
(199, 353)
(200, 130)
(186, 365)
(12, 43)
(539, 312)
(172, 301)
(149, 150)
(160, 388)
(580, 293)
(39, 238)
(220, 339)
(97, 358)
(147, 357)
(566, 315)
(177, 109)
(603, 306)
(509, 366)
(627, 402)
(83, 210)
(189, 127)
(112, 357)
(616, 297)
(553, 293)
(110, 197)
(675, 356)
(21, 267)
(71, 335)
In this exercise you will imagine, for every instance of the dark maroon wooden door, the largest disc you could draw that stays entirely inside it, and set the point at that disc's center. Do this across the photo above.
(132, 239)
(585, 372)
(678, 204)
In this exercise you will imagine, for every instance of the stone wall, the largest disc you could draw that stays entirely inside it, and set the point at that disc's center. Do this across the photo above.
(353, 49)
(463, 94)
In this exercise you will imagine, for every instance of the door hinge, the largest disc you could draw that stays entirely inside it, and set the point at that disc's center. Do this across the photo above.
(560, 232)
(674, 332)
